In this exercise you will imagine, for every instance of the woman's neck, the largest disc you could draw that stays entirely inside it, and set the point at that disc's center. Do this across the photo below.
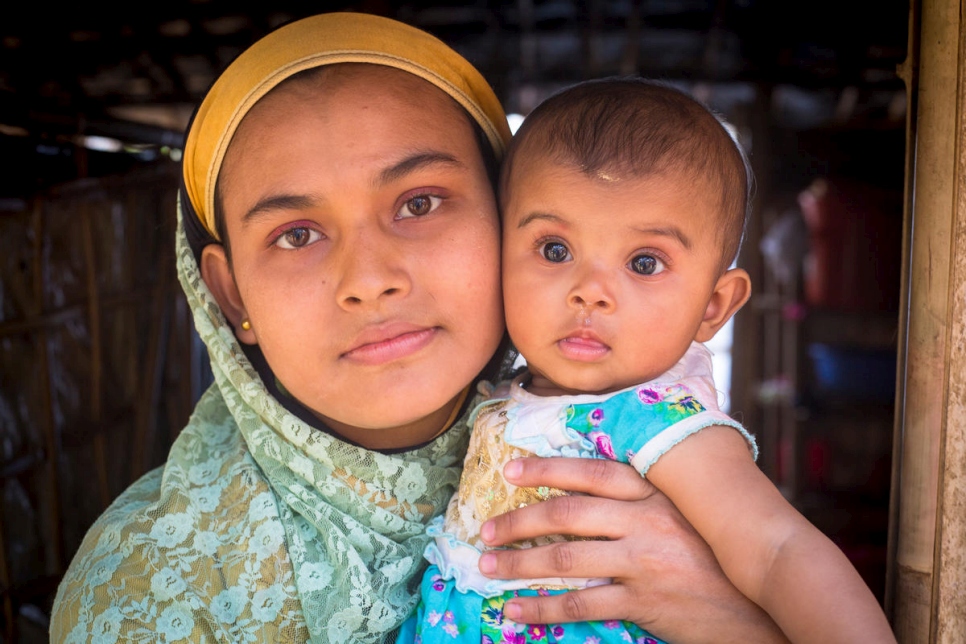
(408, 435)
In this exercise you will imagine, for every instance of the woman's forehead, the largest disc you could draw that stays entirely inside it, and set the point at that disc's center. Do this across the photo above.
(360, 80)
(352, 116)
(378, 90)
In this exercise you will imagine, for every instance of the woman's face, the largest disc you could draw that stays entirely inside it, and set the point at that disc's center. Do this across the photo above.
(364, 249)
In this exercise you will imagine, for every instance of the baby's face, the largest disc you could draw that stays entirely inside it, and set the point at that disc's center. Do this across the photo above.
(606, 280)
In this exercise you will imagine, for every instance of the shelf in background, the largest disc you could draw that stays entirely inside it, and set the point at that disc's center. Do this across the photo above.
(866, 329)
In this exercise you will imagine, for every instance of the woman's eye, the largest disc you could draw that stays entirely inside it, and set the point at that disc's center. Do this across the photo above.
(555, 252)
(647, 265)
(298, 237)
(419, 205)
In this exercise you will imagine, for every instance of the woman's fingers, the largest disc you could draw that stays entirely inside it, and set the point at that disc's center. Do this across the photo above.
(666, 579)
(710, 612)
(564, 559)
(597, 603)
(669, 585)
(590, 476)
(638, 537)
(612, 485)
(580, 516)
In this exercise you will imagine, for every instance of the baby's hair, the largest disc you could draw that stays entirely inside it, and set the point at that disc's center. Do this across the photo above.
(642, 128)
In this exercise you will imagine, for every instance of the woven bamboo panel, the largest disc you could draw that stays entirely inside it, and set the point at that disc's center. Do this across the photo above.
(99, 365)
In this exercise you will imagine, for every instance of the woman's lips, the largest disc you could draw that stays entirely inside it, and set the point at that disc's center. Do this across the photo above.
(388, 343)
(583, 348)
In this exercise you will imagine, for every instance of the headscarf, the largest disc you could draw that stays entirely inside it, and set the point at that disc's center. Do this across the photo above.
(326, 39)
(259, 527)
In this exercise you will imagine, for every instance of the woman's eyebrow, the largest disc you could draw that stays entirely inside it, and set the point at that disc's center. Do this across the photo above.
(388, 175)
(415, 162)
(278, 202)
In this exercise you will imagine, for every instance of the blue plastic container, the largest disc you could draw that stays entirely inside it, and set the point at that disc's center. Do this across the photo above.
(854, 372)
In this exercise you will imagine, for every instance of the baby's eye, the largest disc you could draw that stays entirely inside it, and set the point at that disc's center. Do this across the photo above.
(647, 265)
(418, 206)
(555, 252)
(298, 237)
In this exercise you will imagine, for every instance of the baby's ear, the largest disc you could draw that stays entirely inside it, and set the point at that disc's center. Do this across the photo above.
(216, 272)
(730, 293)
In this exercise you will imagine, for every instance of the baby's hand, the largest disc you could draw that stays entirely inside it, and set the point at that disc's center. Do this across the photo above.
(666, 578)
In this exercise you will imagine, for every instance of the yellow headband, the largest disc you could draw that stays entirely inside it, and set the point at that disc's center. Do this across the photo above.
(325, 39)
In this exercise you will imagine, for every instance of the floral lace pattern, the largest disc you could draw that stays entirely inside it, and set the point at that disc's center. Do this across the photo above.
(258, 528)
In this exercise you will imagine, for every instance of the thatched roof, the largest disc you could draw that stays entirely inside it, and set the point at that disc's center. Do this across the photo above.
(136, 74)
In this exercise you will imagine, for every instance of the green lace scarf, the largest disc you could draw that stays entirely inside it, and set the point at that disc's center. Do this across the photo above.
(258, 528)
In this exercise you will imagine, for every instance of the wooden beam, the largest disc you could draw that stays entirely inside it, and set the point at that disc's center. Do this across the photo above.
(928, 570)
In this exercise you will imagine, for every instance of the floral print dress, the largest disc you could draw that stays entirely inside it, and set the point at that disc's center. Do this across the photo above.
(636, 425)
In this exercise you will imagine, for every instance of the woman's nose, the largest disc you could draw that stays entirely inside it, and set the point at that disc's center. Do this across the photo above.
(373, 268)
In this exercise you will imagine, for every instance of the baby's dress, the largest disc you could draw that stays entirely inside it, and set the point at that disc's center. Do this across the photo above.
(636, 425)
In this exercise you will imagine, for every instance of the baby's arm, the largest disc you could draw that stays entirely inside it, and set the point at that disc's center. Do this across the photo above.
(767, 549)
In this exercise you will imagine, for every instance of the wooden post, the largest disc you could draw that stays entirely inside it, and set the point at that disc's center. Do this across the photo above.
(928, 569)
(54, 558)
(97, 355)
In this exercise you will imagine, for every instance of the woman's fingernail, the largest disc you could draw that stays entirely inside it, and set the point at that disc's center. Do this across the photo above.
(512, 611)
(513, 470)
(488, 564)
(487, 531)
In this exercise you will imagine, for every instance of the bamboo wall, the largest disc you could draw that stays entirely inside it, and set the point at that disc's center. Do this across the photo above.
(928, 572)
(99, 366)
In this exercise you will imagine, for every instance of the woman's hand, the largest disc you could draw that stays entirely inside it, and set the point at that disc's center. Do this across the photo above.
(666, 578)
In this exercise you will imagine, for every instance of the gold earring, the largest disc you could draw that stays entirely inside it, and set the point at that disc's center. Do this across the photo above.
(246, 325)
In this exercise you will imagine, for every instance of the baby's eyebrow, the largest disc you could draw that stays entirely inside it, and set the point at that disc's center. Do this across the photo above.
(416, 162)
(669, 231)
(538, 216)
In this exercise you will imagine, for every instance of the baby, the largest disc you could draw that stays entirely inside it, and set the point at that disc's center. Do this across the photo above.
(624, 203)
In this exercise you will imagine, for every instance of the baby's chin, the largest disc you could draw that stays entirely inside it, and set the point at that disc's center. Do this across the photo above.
(571, 384)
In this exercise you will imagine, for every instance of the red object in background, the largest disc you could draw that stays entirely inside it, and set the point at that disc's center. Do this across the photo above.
(794, 311)
(855, 255)
(817, 459)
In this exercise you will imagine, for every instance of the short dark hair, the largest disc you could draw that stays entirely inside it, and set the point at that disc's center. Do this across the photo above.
(643, 128)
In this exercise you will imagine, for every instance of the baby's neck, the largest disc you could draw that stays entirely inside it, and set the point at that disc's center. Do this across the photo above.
(539, 385)
(544, 387)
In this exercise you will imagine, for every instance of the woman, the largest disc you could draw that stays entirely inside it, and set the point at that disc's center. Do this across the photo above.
(339, 248)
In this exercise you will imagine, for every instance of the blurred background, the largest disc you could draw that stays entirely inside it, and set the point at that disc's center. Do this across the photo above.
(99, 365)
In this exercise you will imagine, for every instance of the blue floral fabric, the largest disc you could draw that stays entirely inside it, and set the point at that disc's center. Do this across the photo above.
(446, 615)
(623, 424)
(636, 425)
